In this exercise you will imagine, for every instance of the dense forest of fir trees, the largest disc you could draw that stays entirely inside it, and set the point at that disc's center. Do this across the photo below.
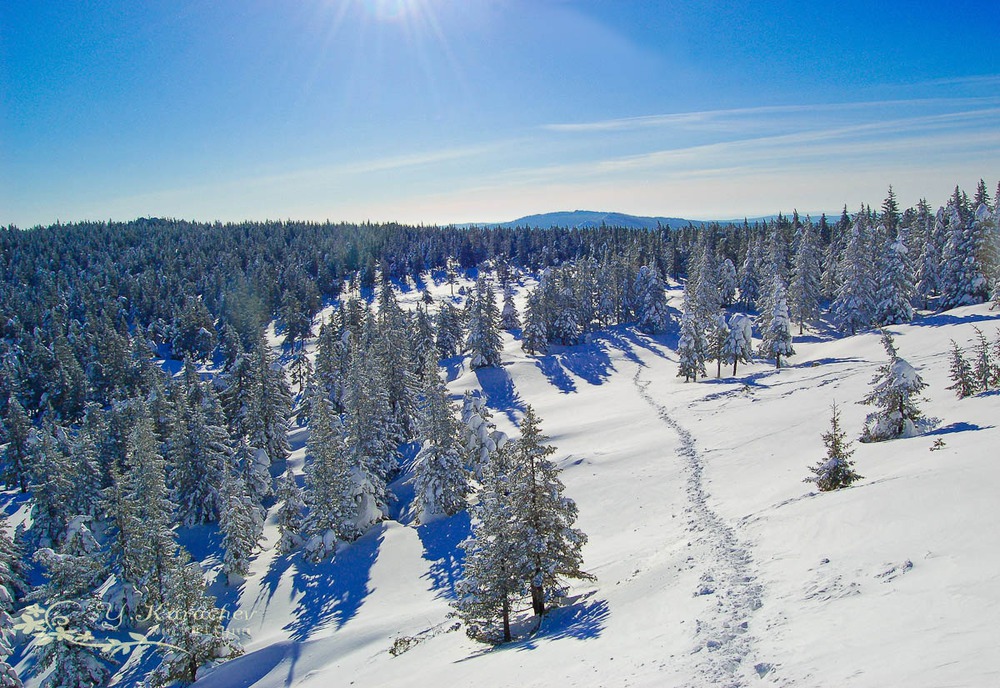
(113, 457)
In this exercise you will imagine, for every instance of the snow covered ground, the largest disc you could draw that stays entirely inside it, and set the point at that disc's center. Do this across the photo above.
(716, 564)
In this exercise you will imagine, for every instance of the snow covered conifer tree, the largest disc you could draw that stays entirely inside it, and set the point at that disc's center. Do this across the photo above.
(778, 338)
(17, 452)
(750, 277)
(484, 343)
(739, 342)
(495, 574)
(805, 290)
(241, 522)
(895, 290)
(12, 587)
(852, 309)
(896, 386)
(929, 263)
(74, 572)
(289, 513)
(727, 283)
(534, 337)
(448, 324)
(330, 486)
(967, 259)
(441, 481)
(691, 349)
(544, 517)
(650, 301)
(192, 624)
(480, 437)
(960, 372)
(837, 469)
(984, 368)
(509, 319)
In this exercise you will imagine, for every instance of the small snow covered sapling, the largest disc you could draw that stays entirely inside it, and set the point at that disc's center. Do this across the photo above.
(960, 373)
(837, 469)
(896, 386)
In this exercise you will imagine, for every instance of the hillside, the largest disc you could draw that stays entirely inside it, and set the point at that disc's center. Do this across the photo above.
(716, 564)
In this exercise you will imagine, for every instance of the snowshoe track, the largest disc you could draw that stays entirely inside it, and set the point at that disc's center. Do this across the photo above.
(727, 582)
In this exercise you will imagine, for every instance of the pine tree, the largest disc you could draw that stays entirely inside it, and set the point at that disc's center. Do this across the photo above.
(290, 511)
(727, 285)
(12, 587)
(984, 369)
(896, 386)
(690, 349)
(480, 438)
(805, 290)
(650, 302)
(241, 523)
(852, 309)
(198, 452)
(968, 257)
(929, 264)
(441, 482)
(16, 455)
(837, 470)
(192, 628)
(330, 487)
(448, 324)
(140, 518)
(960, 373)
(535, 337)
(484, 343)
(750, 277)
(74, 572)
(895, 290)
(739, 341)
(777, 340)
(51, 487)
(544, 517)
(494, 574)
(509, 319)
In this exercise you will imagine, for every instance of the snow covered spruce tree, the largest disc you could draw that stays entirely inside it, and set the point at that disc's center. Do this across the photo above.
(650, 303)
(852, 308)
(523, 541)
(535, 336)
(777, 340)
(545, 517)
(837, 469)
(330, 487)
(960, 373)
(480, 437)
(440, 479)
(484, 343)
(241, 522)
(691, 349)
(739, 341)
(14, 470)
(292, 505)
(494, 576)
(805, 290)
(74, 573)
(895, 286)
(896, 386)
(192, 628)
(509, 319)
(12, 587)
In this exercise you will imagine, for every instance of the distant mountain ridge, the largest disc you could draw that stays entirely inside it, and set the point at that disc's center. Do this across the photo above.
(584, 219)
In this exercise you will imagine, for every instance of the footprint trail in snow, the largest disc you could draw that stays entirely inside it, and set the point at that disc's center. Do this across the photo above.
(728, 585)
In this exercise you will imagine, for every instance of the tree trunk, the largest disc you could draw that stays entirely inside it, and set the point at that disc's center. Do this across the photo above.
(506, 619)
(735, 361)
(537, 599)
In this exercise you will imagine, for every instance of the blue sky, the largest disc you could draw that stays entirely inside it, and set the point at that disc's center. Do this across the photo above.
(439, 111)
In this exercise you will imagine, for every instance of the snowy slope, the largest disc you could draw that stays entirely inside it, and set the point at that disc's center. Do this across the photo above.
(716, 564)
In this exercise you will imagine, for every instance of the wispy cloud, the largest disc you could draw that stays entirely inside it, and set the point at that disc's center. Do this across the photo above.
(705, 117)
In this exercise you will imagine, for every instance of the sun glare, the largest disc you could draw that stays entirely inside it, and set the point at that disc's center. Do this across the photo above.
(391, 10)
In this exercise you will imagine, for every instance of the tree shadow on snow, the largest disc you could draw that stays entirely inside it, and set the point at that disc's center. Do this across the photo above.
(584, 619)
(949, 319)
(500, 392)
(441, 540)
(333, 591)
(960, 426)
